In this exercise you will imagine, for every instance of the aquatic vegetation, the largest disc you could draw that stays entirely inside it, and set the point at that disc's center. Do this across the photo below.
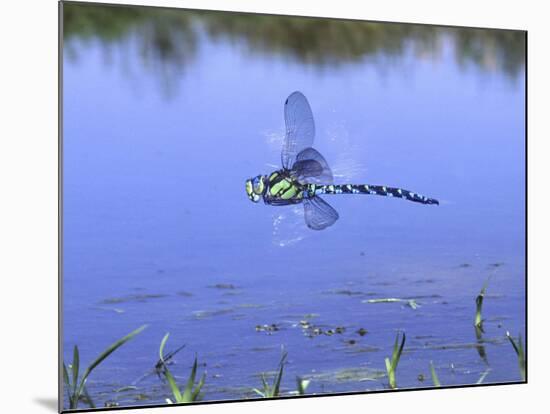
(518, 347)
(480, 347)
(223, 286)
(345, 292)
(478, 321)
(190, 392)
(391, 366)
(483, 375)
(76, 387)
(203, 314)
(133, 298)
(435, 379)
(301, 385)
(272, 390)
(350, 374)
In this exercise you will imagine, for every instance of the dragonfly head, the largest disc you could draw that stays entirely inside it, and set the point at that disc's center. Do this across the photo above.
(256, 187)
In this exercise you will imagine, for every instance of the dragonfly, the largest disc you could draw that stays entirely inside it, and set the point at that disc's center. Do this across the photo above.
(305, 174)
(160, 366)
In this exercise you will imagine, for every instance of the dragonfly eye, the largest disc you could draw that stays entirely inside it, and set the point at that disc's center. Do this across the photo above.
(258, 185)
(255, 188)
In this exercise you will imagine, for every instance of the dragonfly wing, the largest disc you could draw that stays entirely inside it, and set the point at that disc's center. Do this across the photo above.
(312, 168)
(300, 128)
(319, 214)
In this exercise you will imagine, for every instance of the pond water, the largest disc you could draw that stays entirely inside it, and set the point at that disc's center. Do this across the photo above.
(167, 113)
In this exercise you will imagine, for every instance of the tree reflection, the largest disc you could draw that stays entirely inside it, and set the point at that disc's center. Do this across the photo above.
(168, 39)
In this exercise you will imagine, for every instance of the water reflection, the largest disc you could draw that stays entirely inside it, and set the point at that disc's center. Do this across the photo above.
(169, 39)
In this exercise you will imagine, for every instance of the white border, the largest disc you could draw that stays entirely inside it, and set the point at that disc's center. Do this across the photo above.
(28, 207)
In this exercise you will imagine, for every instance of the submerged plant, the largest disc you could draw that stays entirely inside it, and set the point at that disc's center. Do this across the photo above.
(76, 387)
(483, 375)
(478, 322)
(190, 392)
(273, 390)
(391, 366)
(518, 347)
(301, 385)
(435, 379)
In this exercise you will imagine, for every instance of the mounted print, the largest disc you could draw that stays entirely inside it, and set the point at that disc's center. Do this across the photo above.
(264, 206)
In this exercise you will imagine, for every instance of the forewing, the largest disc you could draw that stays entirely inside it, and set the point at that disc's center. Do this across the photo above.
(319, 214)
(300, 128)
(312, 168)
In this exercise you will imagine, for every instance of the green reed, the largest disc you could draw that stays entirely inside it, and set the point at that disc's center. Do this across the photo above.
(76, 385)
(301, 385)
(435, 379)
(391, 366)
(518, 347)
(273, 389)
(478, 321)
(191, 392)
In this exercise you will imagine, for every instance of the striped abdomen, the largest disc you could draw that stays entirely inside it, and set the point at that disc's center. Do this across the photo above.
(314, 189)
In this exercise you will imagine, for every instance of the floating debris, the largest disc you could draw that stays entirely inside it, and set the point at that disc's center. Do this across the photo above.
(411, 303)
(311, 330)
(269, 329)
(464, 265)
(184, 293)
(142, 397)
(361, 331)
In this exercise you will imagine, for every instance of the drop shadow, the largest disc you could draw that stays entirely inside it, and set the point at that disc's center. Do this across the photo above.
(49, 403)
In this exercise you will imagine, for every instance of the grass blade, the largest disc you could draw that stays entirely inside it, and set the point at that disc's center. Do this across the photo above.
(75, 367)
(161, 349)
(66, 377)
(88, 398)
(173, 386)
(68, 385)
(478, 321)
(279, 376)
(112, 348)
(188, 391)
(518, 347)
(301, 385)
(391, 366)
(435, 379)
(197, 391)
(483, 375)
(257, 391)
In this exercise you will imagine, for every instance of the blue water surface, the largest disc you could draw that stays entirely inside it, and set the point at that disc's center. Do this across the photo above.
(158, 230)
